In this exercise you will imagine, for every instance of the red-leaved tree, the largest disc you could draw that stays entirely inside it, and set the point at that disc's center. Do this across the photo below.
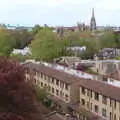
(16, 96)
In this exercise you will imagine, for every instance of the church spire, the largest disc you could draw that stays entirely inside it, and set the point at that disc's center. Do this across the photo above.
(93, 21)
(93, 16)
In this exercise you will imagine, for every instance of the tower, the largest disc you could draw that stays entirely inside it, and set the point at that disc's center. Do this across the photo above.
(93, 21)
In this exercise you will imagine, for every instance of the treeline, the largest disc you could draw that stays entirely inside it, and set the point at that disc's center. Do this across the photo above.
(45, 45)
(10, 39)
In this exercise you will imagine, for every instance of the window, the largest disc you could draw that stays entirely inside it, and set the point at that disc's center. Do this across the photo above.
(110, 102)
(119, 106)
(103, 112)
(66, 97)
(114, 116)
(115, 104)
(53, 80)
(52, 90)
(83, 91)
(91, 107)
(91, 94)
(61, 93)
(45, 77)
(96, 96)
(87, 104)
(57, 92)
(110, 116)
(83, 102)
(41, 84)
(87, 92)
(66, 86)
(57, 82)
(96, 108)
(61, 84)
(41, 75)
(104, 100)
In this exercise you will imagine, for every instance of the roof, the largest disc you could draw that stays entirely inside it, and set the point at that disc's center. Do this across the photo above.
(83, 111)
(54, 116)
(60, 75)
(97, 86)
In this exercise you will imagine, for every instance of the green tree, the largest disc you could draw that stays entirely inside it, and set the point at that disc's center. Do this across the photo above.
(41, 94)
(6, 43)
(47, 45)
(108, 40)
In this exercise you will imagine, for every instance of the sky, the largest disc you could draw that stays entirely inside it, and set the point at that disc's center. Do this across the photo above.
(59, 12)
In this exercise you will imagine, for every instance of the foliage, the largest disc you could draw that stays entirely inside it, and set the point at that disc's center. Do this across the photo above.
(21, 38)
(19, 57)
(6, 43)
(108, 40)
(11, 116)
(117, 58)
(41, 94)
(47, 45)
(15, 95)
(37, 28)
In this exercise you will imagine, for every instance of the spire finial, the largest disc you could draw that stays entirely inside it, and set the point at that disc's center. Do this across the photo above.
(93, 13)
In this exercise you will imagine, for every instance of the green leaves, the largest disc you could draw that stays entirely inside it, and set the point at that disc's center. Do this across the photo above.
(47, 45)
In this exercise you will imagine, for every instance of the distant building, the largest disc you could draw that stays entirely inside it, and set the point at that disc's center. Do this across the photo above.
(108, 53)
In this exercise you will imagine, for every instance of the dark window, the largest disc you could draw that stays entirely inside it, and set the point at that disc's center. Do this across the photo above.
(96, 96)
(57, 82)
(53, 80)
(66, 97)
(66, 86)
(57, 92)
(115, 104)
(83, 91)
(110, 102)
(41, 84)
(91, 94)
(87, 92)
(114, 116)
(52, 90)
(96, 108)
(87, 104)
(91, 106)
(41, 75)
(110, 116)
(83, 102)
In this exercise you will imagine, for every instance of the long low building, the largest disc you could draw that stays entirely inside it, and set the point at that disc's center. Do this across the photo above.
(96, 98)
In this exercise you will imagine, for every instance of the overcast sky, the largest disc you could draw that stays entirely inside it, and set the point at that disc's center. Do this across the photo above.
(59, 12)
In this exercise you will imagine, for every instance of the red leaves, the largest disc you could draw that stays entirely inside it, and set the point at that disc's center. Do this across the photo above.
(11, 116)
(15, 95)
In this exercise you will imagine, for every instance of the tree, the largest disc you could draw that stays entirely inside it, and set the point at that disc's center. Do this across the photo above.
(21, 38)
(41, 94)
(47, 46)
(37, 28)
(6, 43)
(15, 95)
(108, 40)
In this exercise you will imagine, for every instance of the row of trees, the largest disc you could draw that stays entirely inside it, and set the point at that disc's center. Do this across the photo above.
(47, 45)
(13, 39)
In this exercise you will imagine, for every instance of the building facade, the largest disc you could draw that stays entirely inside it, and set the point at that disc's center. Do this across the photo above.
(99, 101)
